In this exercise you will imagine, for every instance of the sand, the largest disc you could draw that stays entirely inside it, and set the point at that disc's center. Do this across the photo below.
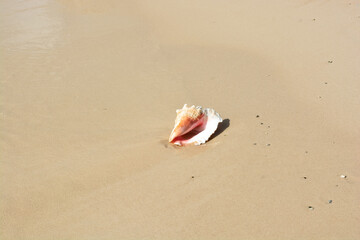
(88, 98)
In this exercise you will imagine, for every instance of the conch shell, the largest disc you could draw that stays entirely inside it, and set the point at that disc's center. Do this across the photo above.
(194, 125)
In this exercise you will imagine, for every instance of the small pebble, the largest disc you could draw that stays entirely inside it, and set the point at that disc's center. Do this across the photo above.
(330, 61)
(257, 116)
(261, 123)
(254, 143)
(306, 151)
(305, 177)
(311, 208)
(325, 82)
(330, 201)
(268, 144)
(192, 177)
(343, 176)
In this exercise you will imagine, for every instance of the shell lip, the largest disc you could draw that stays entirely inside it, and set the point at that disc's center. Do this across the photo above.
(180, 138)
(195, 128)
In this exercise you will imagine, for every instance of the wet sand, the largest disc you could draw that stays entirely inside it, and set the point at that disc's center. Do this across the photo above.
(88, 98)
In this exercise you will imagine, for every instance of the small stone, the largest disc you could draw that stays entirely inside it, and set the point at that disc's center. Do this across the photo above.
(254, 143)
(192, 177)
(306, 152)
(330, 201)
(343, 176)
(257, 116)
(311, 208)
(262, 123)
(268, 144)
(330, 61)
(305, 177)
(325, 82)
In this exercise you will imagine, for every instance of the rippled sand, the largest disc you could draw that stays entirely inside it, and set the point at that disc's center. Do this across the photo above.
(88, 97)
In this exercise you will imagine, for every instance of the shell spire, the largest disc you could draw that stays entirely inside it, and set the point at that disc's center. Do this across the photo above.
(194, 125)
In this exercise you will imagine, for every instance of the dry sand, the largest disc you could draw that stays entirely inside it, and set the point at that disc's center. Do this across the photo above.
(88, 98)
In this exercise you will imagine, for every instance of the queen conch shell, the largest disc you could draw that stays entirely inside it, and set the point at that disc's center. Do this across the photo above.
(194, 125)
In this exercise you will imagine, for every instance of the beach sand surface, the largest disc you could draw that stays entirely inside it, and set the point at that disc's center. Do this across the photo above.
(88, 96)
